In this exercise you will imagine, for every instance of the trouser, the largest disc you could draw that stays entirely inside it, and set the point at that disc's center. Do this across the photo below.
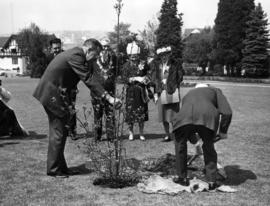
(58, 133)
(100, 108)
(182, 134)
(73, 125)
(73, 119)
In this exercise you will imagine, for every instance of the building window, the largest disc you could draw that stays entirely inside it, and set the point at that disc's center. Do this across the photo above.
(14, 60)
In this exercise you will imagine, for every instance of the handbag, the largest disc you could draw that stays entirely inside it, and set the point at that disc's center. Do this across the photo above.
(166, 98)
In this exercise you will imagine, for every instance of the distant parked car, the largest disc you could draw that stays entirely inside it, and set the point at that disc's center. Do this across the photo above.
(3, 72)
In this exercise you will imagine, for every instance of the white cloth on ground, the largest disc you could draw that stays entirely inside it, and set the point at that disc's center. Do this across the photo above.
(156, 184)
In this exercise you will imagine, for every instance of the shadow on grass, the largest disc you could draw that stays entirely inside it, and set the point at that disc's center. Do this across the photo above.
(82, 169)
(8, 143)
(237, 176)
(155, 136)
(32, 135)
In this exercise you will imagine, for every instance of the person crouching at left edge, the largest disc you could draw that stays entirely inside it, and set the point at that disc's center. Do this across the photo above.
(59, 80)
(9, 124)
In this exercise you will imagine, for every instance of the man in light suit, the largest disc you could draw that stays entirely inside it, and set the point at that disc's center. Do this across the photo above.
(204, 110)
(56, 91)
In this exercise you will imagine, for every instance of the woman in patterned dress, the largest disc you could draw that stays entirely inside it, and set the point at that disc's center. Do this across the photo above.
(135, 76)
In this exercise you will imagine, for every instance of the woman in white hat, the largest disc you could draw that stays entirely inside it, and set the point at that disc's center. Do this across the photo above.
(167, 74)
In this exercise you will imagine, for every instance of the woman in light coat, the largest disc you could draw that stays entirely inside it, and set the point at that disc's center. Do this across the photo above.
(167, 74)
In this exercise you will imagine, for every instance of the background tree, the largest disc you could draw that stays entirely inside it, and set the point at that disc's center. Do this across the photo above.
(230, 27)
(124, 34)
(255, 55)
(148, 35)
(34, 43)
(198, 47)
(169, 29)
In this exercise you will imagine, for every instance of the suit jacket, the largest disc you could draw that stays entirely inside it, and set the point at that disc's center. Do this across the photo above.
(51, 56)
(205, 106)
(61, 78)
(107, 66)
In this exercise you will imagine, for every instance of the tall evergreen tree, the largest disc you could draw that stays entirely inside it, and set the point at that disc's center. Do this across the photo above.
(169, 30)
(223, 53)
(230, 27)
(255, 55)
(242, 10)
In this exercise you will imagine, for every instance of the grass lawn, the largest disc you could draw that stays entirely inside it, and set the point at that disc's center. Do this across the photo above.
(245, 155)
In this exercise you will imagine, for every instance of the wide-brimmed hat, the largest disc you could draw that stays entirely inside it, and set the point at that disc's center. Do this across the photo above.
(163, 50)
(200, 85)
(133, 48)
(105, 42)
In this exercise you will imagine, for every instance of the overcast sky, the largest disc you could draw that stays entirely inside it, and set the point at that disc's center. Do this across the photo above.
(51, 15)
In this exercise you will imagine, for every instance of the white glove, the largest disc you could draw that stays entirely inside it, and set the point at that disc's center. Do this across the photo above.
(164, 81)
(140, 79)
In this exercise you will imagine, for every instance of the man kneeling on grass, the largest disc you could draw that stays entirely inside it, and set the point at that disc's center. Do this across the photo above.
(205, 110)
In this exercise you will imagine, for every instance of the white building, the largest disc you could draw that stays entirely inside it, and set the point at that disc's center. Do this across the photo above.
(12, 61)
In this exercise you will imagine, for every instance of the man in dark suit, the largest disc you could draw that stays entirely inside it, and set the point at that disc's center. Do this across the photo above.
(56, 48)
(55, 92)
(206, 111)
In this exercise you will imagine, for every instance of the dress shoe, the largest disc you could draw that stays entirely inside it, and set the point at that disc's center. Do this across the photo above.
(167, 139)
(219, 137)
(58, 175)
(181, 181)
(131, 137)
(142, 138)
